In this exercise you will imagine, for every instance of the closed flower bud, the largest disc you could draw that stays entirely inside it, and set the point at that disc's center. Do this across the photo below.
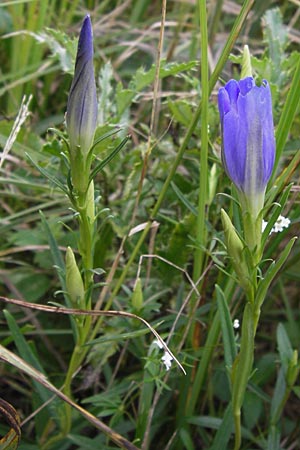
(137, 296)
(82, 106)
(236, 251)
(293, 370)
(248, 149)
(90, 204)
(74, 283)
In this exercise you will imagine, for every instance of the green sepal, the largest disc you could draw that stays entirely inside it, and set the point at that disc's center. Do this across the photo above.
(227, 328)
(80, 169)
(243, 363)
(50, 177)
(246, 63)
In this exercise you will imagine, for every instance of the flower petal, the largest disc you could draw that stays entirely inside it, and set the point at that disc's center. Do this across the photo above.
(248, 136)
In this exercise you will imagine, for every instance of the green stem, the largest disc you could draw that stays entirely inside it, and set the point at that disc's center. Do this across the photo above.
(215, 20)
(85, 206)
(252, 224)
(206, 355)
(237, 428)
(73, 366)
(241, 369)
(202, 197)
(66, 414)
(86, 248)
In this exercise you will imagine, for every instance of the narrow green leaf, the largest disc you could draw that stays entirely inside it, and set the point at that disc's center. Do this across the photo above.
(275, 214)
(287, 117)
(29, 356)
(215, 423)
(183, 199)
(223, 434)
(105, 136)
(186, 439)
(283, 179)
(284, 347)
(57, 257)
(277, 403)
(226, 327)
(145, 78)
(103, 163)
(21, 344)
(271, 273)
(274, 439)
(47, 175)
(243, 363)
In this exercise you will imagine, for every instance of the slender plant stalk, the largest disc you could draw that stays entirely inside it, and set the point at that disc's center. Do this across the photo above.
(215, 20)
(208, 350)
(202, 197)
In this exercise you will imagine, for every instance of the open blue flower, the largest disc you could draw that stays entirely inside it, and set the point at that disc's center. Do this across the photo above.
(248, 149)
(82, 105)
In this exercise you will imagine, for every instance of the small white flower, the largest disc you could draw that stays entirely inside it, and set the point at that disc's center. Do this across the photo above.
(236, 323)
(158, 343)
(167, 360)
(281, 223)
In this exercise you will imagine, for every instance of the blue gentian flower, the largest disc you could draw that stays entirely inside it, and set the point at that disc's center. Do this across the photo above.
(248, 148)
(82, 105)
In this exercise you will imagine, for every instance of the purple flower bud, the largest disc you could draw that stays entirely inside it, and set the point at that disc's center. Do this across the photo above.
(82, 102)
(248, 149)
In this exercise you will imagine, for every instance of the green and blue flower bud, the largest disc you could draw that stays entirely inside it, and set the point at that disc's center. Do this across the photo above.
(248, 146)
(82, 107)
(248, 149)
